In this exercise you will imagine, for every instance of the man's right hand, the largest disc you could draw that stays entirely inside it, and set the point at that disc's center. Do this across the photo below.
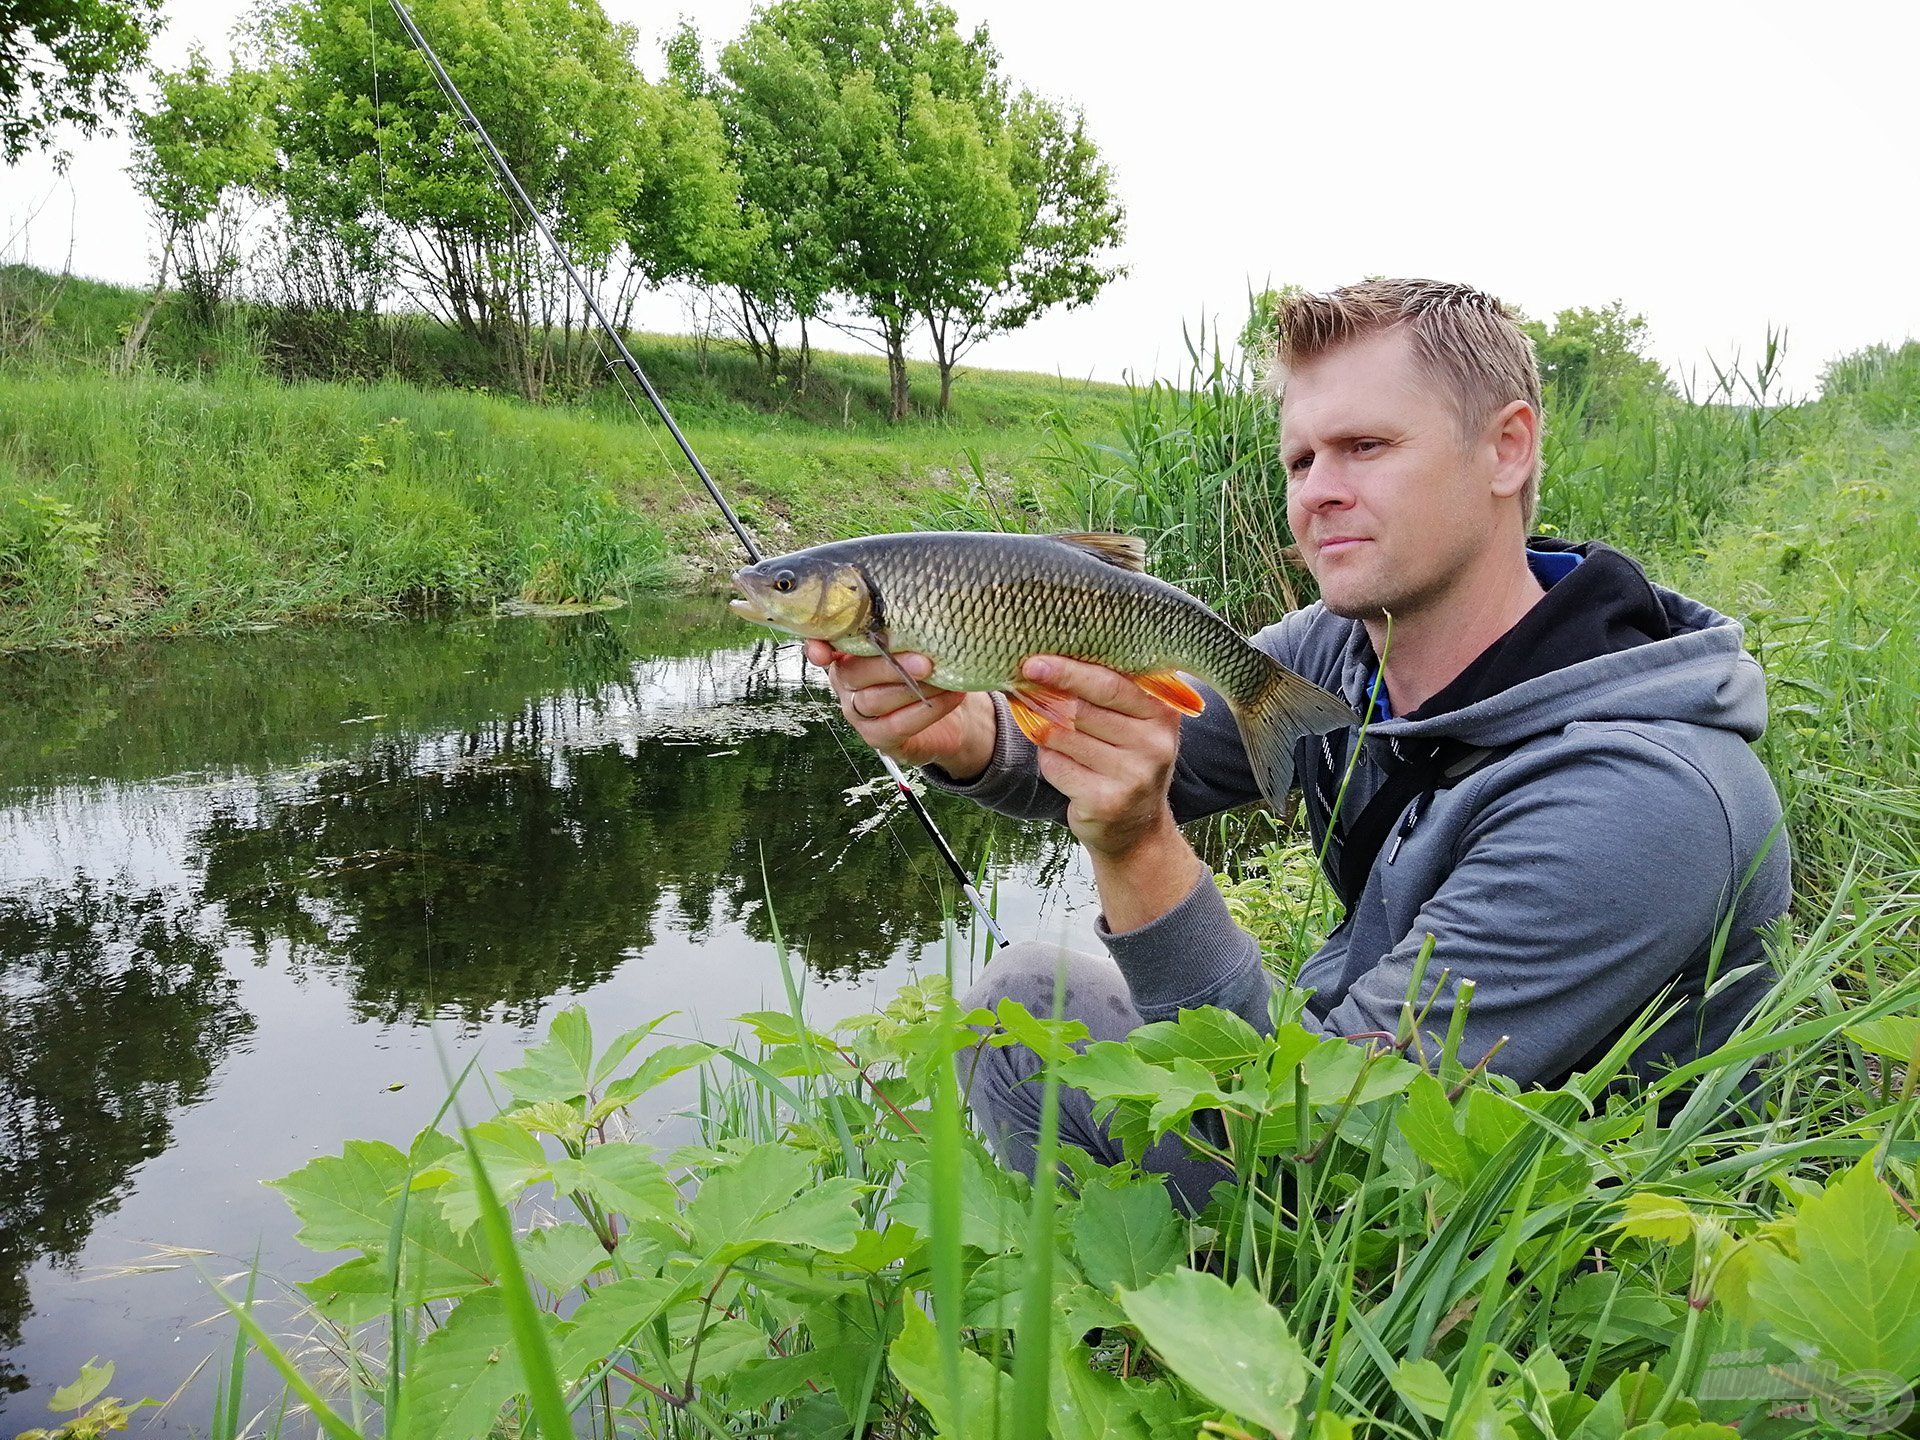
(949, 728)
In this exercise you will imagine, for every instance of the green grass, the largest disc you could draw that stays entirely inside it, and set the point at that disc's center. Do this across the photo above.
(203, 493)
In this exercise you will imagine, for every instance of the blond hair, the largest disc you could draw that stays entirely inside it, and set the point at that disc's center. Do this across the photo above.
(1469, 344)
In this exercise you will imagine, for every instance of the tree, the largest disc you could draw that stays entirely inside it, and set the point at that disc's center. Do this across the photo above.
(907, 181)
(67, 62)
(1068, 219)
(207, 143)
(1597, 358)
(370, 140)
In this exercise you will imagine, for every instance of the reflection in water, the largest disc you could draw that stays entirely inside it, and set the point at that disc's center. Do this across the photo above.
(461, 818)
(114, 1011)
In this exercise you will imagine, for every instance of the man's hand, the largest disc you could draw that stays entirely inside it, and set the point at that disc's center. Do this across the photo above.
(949, 728)
(1114, 766)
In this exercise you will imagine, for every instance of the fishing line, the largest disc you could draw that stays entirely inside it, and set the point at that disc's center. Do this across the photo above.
(448, 88)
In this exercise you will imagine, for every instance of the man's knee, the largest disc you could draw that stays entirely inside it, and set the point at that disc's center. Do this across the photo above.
(1091, 988)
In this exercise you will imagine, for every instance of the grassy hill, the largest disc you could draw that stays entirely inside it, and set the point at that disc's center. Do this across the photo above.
(213, 485)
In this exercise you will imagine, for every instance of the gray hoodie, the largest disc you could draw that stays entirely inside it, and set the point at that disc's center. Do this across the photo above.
(1574, 878)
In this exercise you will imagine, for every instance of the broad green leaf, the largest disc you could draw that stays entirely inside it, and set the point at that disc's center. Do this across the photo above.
(1854, 1291)
(775, 1377)
(345, 1201)
(991, 1215)
(874, 1250)
(1480, 1419)
(1112, 1070)
(1229, 1344)
(1051, 1040)
(1329, 1426)
(1647, 1216)
(1126, 1234)
(661, 1064)
(753, 1203)
(561, 1257)
(514, 1160)
(1090, 1404)
(94, 1377)
(559, 1067)
(1896, 1037)
(1425, 1387)
(727, 1345)
(1336, 1067)
(1217, 1040)
(1428, 1123)
(356, 1291)
(622, 1046)
(606, 1321)
(625, 1178)
(985, 1402)
(466, 1372)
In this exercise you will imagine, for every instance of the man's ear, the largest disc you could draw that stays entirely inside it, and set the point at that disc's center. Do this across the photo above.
(1514, 433)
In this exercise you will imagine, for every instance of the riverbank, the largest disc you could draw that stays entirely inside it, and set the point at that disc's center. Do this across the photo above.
(203, 494)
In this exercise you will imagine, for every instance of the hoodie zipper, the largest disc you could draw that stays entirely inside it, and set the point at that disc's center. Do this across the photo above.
(1406, 825)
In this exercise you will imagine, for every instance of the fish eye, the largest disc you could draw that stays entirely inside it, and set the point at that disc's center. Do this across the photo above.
(783, 581)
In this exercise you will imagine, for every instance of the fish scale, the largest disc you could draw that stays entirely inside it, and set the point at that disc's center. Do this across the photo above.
(978, 605)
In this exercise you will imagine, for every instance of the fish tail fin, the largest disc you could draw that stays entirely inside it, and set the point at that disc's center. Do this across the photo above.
(1285, 709)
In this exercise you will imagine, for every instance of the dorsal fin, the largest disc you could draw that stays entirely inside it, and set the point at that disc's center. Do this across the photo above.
(1127, 552)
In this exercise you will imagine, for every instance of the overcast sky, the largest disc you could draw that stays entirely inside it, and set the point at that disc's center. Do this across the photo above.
(1717, 166)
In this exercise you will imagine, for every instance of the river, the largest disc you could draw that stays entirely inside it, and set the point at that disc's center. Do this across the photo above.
(259, 894)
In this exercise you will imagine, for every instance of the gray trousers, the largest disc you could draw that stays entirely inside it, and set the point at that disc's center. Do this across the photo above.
(1003, 1086)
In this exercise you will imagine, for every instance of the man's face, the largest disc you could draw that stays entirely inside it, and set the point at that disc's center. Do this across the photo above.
(1387, 505)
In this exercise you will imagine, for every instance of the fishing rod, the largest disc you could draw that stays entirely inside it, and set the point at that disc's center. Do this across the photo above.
(741, 533)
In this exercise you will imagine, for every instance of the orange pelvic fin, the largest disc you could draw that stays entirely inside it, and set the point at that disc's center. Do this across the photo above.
(1039, 710)
(1176, 692)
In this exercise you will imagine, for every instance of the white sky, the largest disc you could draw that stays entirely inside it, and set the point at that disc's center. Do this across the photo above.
(1719, 166)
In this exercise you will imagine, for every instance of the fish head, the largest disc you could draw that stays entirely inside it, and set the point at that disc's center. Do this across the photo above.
(816, 596)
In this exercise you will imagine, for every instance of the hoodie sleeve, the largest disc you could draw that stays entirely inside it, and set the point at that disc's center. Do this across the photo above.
(1581, 887)
(1211, 773)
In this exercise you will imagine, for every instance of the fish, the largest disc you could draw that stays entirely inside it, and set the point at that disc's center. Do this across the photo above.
(979, 603)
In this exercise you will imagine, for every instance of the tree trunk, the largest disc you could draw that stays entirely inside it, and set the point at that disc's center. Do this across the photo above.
(806, 358)
(946, 383)
(137, 336)
(897, 373)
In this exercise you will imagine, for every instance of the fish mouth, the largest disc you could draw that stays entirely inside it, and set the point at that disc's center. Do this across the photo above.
(745, 605)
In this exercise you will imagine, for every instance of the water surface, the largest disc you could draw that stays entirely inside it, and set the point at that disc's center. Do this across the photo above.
(255, 893)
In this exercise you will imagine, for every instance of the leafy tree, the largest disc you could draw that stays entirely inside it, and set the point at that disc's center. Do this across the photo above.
(206, 143)
(370, 140)
(1596, 359)
(1068, 218)
(66, 62)
(788, 138)
(895, 119)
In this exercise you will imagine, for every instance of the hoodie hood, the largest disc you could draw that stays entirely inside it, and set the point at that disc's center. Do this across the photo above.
(1604, 644)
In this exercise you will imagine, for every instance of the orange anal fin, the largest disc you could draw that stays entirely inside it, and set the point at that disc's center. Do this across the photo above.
(1176, 692)
(1039, 710)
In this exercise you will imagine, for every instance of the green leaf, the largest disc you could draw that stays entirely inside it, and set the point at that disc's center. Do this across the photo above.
(753, 1203)
(1854, 1291)
(1428, 1123)
(1895, 1037)
(1218, 1040)
(1425, 1387)
(661, 1064)
(1228, 1344)
(1648, 1216)
(990, 1211)
(514, 1160)
(624, 1177)
(1127, 1234)
(1051, 1040)
(459, 1381)
(606, 1321)
(561, 1066)
(985, 1402)
(345, 1201)
(1090, 1404)
(622, 1046)
(94, 1377)
(561, 1257)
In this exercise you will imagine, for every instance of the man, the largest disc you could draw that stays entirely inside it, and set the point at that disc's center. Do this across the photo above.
(1557, 783)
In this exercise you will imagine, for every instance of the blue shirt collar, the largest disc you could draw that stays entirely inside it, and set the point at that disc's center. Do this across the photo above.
(1548, 567)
